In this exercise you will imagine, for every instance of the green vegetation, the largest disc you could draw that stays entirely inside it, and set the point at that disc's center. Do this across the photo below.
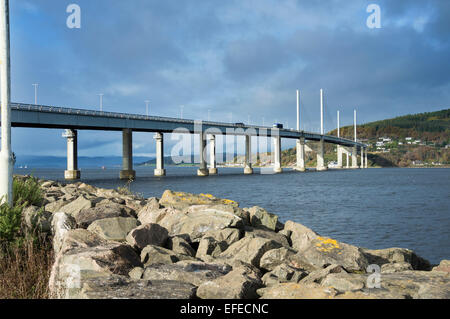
(26, 255)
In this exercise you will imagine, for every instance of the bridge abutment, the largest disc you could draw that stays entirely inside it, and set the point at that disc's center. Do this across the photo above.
(300, 148)
(355, 158)
(127, 172)
(159, 170)
(339, 157)
(72, 172)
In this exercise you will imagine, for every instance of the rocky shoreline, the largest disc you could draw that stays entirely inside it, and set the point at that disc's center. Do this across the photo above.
(109, 244)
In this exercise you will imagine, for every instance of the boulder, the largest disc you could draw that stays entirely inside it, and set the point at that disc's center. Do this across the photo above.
(283, 273)
(88, 215)
(148, 234)
(240, 283)
(208, 246)
(120, 287)
(343, 281)
(259, 217)
(296, 291)
(322, 251)
(55, 206)
(136, 273)
(249, 250)
(196, 220)
(444, 266)
(36, 218)
(275, 257)
(316, 277)
(77, 205)
(80, 238)
(227, 235)
(115, 228)
(146, 213)
(264, 233)
(396, 255)
(74, 266)
(180, 245)
(61, 224)
(192, 272)
(152, 254)
(182, 200)
(395, 267)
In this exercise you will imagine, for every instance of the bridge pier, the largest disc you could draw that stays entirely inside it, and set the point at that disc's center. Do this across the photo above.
(320, 157)
(347, 160)
(127, 172)
(159, 170)
(72, 172)
(202, 170)
(355, 157)
(366, 165)
(212, 155)
(362, 158)
(339, 157)
(248, 155)
(277, 154)
(300, 147)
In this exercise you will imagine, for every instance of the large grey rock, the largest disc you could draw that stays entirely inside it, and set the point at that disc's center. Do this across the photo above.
(240, 283)
(395, 267)
(77, 205)
(259, 217)
(55, 206)
(264, 233)
(192, 272)
(182, 200)
(283, 273)
(88, 215)
(148, 234)
(120, 287)
(316, 277)
(36, 218)
(61, 224)
(249, 250)
(136, 273)
(115, 228)
(152, 254)
(80, 238)
(444, 266)
(275, 257)
(208, 246)
(146, 214)
(396, 255)
(343, 281)
(195, 221)
(322, 251)
(227, 235)
(74, 266)
(180, 245)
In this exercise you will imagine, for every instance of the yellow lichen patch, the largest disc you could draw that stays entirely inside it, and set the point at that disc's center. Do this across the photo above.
(228, 201)
(326, 244)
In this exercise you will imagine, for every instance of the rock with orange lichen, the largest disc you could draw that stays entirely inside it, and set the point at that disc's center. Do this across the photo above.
(182, 200)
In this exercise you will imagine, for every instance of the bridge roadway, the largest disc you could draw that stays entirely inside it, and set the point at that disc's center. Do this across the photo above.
(42, 116)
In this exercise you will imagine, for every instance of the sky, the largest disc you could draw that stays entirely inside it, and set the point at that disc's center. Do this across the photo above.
(236, 60)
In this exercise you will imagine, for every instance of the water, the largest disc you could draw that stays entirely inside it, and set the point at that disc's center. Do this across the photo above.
(372, 208)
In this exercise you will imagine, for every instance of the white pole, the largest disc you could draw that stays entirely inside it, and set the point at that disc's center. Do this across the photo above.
(321, 111)
(35, 93)
(146, 106)
(354, 123)
(298, 110)
(338, 126)
(181, 111)
(6, 170)
(101, 101)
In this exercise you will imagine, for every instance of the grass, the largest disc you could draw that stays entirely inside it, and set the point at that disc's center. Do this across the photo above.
(26, 256)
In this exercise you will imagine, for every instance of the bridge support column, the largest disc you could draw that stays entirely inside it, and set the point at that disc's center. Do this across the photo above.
(366, 164)
(320, 157)
(339, 156)
(362, 157)
(212, 155)
(248, 155)
(348, 159)
(300, 155)
(354, 157)
(202, 170)
(277, 154)
(127, 172)
(159, 170)
(72, 172)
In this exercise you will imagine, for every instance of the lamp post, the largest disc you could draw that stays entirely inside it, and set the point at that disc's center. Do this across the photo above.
(101, 101)
(146, 106)
(6, 161)
(35, 92)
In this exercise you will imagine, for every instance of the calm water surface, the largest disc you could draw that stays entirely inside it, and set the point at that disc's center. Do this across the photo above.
(373, 208)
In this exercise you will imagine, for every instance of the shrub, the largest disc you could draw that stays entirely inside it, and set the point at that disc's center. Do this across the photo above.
(27, 191)
(10, 222)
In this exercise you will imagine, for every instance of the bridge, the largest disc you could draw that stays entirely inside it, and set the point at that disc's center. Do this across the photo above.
(72, 120)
